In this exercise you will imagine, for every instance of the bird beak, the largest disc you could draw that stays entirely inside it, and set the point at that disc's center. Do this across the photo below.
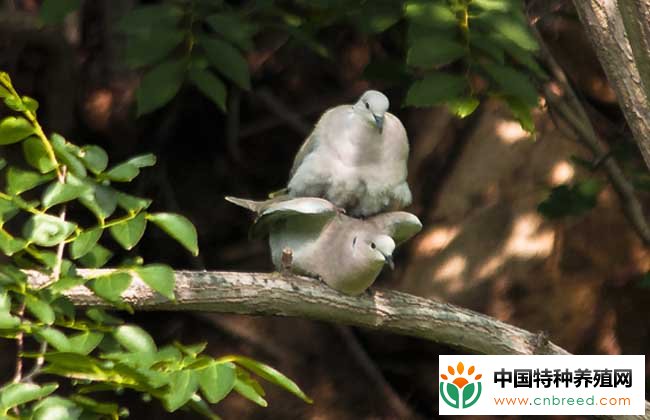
(390, 262)
(379, 122)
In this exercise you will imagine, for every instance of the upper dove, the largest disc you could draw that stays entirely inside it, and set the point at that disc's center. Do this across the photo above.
(356, 158)
(346, 253)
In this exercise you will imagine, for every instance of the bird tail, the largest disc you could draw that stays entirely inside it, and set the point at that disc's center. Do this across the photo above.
(251, 205)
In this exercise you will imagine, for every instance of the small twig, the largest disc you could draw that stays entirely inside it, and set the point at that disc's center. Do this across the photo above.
(282, 111)
(20, 342)
(40, 360)
(401, 409)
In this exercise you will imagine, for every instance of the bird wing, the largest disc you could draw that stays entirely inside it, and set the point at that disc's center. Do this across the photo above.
(399, 225)
(327, 122)
(309, 209)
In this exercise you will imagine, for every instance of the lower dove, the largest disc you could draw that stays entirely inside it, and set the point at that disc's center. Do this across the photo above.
(346, 253)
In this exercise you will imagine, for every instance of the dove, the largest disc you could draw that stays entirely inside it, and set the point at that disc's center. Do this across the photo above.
(355, 158)
(346, 253)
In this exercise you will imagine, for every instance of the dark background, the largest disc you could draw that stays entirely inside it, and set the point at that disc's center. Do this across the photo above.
(476, 184)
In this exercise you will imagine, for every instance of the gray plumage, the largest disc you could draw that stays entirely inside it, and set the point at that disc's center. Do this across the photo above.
(355, 158)
(346, 253)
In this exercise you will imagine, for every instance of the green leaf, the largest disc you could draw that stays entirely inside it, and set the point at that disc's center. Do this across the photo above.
(462, 107)
(227, 61)
(85, 242)
(109, 409)
(515, 30)
(159, 86)
(55, 338)
(56, 408)
(111, 286)
(36, 155)
(271, 375)
(128, 170)
(85, 342)
(63, 151)
(67, 283)
(129, 233)
(179, 228)
(143, 161)
(513, 82)
(7, 210)
(16, 394)
(159, 277)
(40, 309)
(249, 392)
(4, 92)
(487, 45)
(46, 230)
(434, 51)
(95, 158)
(430, 14)
(14, 129)
(522, 112)
(19, 180)
(493, 5)
(132, 204)
(9, 245)
(102, 317)
(96, 257)
(216, 381)
(100, 200)
(571, 200)
(54, 11)
(57, 193)
(233, 29)
(144, 18)
(182, 386)
(210, 85)
(435, 89)
(8, 321)
(147, 48)
(5, 301)
(135, 339)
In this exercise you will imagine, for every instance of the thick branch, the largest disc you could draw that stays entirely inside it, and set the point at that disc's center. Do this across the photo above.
(607, 29)
(274, 294)
(301, 297)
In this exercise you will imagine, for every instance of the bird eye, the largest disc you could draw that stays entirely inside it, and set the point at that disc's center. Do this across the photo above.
(367, 105)
(373, 246)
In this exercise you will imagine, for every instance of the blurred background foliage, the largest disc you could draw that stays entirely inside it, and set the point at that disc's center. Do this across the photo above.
(521, 221)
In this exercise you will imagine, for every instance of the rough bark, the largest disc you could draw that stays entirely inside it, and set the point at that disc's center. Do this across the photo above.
(620, 37)
(301, 297)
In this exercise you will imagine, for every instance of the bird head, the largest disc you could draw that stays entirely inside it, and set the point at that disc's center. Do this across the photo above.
(373, 106)
(375, 248)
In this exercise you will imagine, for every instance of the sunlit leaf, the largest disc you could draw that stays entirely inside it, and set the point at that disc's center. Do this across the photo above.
(16, 394)
(14, 129)
(216, 381)
(111, 286)
(134, 339)
(40, 309)
(159, 277)
(85, 242)
(179, 228)
(36, 155)
(129, 233)
(435, 89)
(19, 180)
(47, 230)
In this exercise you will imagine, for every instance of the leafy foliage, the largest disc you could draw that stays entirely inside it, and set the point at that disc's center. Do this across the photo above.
(96, 350)
(456, 51)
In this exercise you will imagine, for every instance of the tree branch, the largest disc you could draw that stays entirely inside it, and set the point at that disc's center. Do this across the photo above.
(569, 107)
(612, 34)
(301, 297)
